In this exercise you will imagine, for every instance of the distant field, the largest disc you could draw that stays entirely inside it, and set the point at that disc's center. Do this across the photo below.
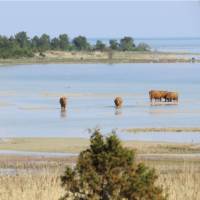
(104, 57)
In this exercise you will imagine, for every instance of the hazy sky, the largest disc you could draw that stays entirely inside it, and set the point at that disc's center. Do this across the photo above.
(102, 19)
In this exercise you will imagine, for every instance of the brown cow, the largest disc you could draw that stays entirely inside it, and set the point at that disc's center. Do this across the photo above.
(163, 95)
(172, 96)
(155, 94)
(118, 102)
(63, 102)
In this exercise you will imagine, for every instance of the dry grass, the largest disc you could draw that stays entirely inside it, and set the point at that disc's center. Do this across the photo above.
(75, 145)
(169, 129)
(183, 185)
(29, 186)
(37, 178)
(45, 144)
(180, 180)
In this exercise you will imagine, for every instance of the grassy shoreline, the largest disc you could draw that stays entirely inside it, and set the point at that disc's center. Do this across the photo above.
(168, 130)
(75, 145)
(103, 57)
(179, 180)
(39, 176)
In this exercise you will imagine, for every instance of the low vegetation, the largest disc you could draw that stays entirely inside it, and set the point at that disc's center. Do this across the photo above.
(107, 170)
(99, 169)
(170, 129)
(180, 179)
(76, 145)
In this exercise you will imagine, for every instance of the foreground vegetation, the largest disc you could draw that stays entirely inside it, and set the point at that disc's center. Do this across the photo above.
(106, 170)
(38, 177)
(21, 45)
(180, 179)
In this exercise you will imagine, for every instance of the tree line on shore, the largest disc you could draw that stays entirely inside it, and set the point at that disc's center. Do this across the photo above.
(21, 45)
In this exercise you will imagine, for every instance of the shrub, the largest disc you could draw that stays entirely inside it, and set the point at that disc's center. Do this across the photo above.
(108, 171)
(143, 47)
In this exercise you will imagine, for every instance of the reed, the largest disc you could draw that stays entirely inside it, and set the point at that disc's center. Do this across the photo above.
(179, 180)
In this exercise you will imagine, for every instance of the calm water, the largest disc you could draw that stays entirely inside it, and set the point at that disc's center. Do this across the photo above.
(29, 99)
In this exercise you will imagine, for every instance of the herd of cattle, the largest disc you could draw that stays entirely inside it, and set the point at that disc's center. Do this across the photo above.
(154, 95)
(158, 95)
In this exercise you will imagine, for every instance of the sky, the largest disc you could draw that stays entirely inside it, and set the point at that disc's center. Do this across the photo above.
(101, 19)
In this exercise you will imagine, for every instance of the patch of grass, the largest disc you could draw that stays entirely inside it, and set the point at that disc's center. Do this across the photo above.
(75, 145)
(179, 179)
(170, 129)
(45, 144)
(102, 57)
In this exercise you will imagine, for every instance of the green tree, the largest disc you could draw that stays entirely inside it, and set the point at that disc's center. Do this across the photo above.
(44, 43)
(35, 42)
(81, 43)
(108, 171)
(22, 39)
(64, 41)
(100, 46)
(114, 45)
(127, 44)
(142, 47)
(55, 44)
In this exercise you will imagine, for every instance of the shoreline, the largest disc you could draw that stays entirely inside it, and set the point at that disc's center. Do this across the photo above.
(165, 130)
(59, 57)
(76, 145)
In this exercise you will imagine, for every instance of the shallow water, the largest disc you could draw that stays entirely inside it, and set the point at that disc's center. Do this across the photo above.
(29, 99)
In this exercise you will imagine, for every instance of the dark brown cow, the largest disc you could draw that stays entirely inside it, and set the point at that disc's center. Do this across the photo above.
(63, 102)
(118, 102)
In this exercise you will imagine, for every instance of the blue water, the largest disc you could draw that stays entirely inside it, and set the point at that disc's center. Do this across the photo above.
(182, 45)
(29, 99)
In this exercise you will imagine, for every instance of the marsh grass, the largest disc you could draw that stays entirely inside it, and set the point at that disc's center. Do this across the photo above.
(168, 130)
(75, 145)
(180, 180)
(183, 184)
(31, 186)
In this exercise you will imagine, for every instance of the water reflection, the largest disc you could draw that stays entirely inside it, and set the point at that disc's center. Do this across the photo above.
(118, 111)
(63, 113)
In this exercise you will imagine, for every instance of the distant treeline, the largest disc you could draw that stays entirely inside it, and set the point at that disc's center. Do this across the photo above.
(21, 45)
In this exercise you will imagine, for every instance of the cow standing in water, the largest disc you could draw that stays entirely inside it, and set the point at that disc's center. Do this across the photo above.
(63, 103)
(158, 95)
(118, 102)
(172, 96)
